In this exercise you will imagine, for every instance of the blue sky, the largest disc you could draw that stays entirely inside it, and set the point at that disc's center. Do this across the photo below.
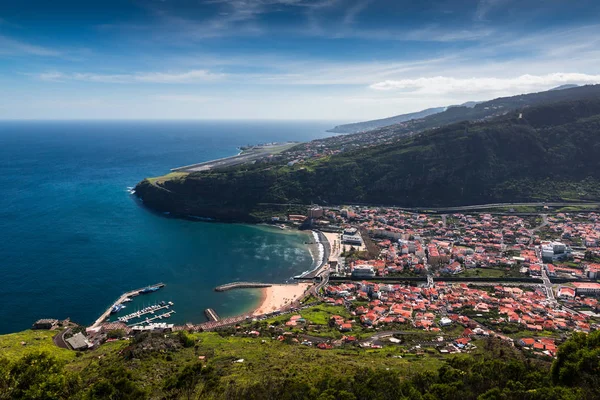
(344, 60)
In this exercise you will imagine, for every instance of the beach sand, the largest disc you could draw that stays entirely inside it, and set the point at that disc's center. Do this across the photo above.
(334, 240)
(277, 296)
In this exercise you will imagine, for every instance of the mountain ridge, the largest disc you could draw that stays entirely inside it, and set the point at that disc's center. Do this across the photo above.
(541, 153)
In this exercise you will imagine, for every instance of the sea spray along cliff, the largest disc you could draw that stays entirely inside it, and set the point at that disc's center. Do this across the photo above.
(546, 152)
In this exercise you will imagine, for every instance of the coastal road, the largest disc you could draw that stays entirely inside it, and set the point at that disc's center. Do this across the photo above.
(461, 208)
(498, 205)
(59, 339)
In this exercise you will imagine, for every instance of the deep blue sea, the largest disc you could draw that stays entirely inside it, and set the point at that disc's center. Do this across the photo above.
(72, 238)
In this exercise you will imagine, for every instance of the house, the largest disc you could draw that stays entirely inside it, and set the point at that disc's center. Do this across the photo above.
(566, 293)
(78, 342)
(587, 288)
(535, 270)
(526, 342)
(593, 271)
(461, 342)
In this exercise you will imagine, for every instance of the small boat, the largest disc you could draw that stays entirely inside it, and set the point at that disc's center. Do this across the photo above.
(116, 308)
(127, 300)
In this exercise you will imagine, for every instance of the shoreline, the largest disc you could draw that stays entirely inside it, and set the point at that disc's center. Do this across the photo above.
(316, 248)
(279, 296)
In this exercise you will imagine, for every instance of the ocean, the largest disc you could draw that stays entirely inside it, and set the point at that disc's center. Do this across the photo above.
(72, 238)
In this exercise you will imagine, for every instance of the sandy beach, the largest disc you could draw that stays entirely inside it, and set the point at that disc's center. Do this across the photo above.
(278, 296)
(334, 240)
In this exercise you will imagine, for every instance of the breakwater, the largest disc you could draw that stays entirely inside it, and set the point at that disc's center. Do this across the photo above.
(120, 300)
(211, 315)
(241, 285)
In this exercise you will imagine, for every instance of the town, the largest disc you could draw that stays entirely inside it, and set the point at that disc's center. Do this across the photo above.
(528, 279)
(415, 281)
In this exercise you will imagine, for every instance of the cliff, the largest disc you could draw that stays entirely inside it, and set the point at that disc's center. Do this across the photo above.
(543, 153)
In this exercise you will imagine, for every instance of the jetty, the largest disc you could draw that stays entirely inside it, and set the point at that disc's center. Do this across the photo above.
(120, 300)
(144, 311)
(241, 285)
(211, 315)
(149, 320)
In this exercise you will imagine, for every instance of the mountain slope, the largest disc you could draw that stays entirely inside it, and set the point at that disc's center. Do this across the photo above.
(539, 153)
(480, 111)
(379, 123)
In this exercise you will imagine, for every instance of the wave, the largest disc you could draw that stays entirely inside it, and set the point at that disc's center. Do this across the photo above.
(318, 262)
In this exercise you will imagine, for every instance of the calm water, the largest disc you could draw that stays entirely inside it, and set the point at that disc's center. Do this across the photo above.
(72, 239)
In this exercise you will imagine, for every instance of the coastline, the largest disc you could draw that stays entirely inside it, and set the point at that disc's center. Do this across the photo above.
(278, 297)
(317, 252)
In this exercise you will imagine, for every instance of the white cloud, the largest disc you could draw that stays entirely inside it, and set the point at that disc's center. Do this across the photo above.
(444, 85)
(192, 76)
(14, 47)
(485, 6)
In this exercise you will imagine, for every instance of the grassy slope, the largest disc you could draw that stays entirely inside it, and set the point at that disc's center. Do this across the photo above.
(35, 340)
(260, 358)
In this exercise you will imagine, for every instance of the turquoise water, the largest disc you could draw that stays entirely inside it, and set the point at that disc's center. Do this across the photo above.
(72, 238)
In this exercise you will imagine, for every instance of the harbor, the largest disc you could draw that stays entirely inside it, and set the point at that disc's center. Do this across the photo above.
(146, 310)
(124, 298)
(149, 320)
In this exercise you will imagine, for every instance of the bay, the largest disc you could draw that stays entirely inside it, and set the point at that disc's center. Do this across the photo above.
(72, 238)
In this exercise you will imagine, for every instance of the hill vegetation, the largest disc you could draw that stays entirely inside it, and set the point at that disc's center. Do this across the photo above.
(379, 123)
(467, 112)
(542, 153)
(226, 366)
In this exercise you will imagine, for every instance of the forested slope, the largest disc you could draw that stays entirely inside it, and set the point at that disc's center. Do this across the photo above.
(549, 152)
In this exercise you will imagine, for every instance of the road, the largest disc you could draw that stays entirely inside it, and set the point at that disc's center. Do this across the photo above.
(537, 228)
(59, 339)
(249, 156)
(498, 205)
(548, 286)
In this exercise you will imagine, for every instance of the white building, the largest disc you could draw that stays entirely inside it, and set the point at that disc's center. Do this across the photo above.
(363, 271)
(555, 251)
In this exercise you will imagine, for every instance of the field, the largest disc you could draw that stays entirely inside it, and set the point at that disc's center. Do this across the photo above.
(170, 176)
(39, 340)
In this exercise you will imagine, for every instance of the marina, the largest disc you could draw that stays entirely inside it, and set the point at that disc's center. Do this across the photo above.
(149, 320)
(146, 310)
(124, 298)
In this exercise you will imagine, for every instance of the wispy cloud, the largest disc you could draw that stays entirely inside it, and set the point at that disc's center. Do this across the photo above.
(484, 7)
(355, 10)
(448, 85)
(9, 46)
(193, 76)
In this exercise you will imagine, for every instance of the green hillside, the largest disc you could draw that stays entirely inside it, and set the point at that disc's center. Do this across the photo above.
(548, 152)
(231, 365)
